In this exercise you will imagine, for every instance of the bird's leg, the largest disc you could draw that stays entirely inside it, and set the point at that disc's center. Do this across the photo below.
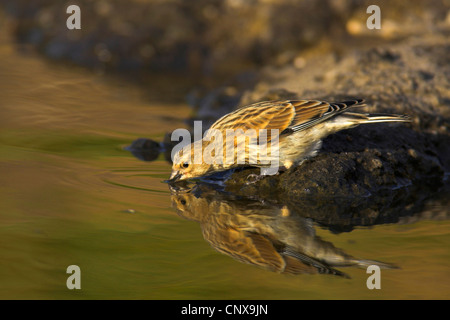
(253, 178)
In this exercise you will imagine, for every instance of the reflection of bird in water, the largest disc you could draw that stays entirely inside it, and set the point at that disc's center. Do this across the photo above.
(262, 234)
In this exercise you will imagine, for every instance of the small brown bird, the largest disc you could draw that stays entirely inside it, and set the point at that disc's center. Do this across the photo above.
(297, 127)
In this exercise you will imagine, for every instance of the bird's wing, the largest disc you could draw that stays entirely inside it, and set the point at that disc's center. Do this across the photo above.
(262, 115)
(256, 249)
(286, 115)
(244, 246)
(311, 112)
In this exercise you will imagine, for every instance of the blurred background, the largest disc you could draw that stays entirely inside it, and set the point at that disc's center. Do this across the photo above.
(210, 38)
(71, 100)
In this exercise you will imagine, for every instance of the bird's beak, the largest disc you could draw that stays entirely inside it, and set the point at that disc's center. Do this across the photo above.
(176, 175)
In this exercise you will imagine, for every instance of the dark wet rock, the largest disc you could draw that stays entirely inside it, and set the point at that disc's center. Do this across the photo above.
(145, 149)
(352, 206)
(352, 173)
(411, 77)
(336, 213)
(401, 205)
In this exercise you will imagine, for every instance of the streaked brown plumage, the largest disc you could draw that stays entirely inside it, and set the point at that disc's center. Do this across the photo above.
(301, 125)
(262, 234)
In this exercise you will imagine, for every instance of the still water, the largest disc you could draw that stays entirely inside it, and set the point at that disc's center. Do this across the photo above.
(70, 195)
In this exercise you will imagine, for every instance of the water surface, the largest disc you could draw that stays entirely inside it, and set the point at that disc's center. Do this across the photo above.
(70, 195)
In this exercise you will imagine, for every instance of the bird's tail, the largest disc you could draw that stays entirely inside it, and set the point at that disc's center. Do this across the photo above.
(367, 263)
(360, 118)
(352, 119)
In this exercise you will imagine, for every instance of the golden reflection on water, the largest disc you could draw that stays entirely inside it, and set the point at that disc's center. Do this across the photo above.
(261, 233)
(71, 195)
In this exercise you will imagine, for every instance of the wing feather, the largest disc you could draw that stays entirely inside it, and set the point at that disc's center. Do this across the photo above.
(313, 112)
(285, 115)
(247, 247)
(265, 115)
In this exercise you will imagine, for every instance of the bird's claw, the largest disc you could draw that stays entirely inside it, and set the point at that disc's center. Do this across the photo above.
(253, 178)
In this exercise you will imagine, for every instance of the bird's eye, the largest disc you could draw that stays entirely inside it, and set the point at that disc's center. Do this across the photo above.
(183, 202)
(185, 165)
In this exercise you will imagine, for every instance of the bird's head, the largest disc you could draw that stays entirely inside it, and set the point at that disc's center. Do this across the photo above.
(184, 167)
